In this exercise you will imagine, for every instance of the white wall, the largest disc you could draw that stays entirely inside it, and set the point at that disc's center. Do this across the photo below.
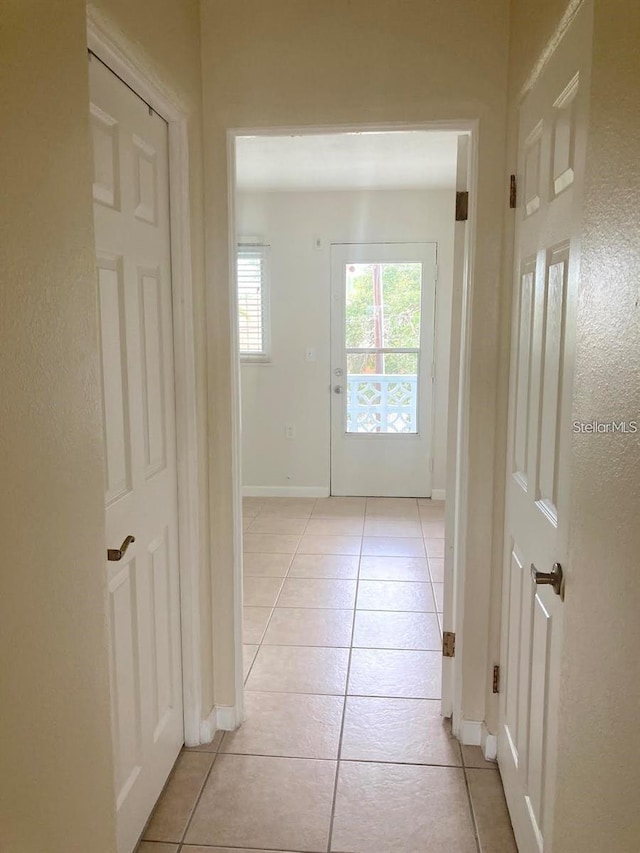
(290, 389)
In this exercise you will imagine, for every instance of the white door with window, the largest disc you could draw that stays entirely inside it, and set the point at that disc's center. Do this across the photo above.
(552, 142)
(131, 211)
(382, 350)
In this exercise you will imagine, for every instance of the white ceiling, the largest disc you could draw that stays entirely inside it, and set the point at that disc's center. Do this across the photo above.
(346, 161)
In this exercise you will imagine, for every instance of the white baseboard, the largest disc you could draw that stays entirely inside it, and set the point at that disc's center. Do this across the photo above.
(223, 717)
(475, 733)
(227, 717)
(471, 732)
(285, 491)
(489, 744)
(438, 495)
(207, 729)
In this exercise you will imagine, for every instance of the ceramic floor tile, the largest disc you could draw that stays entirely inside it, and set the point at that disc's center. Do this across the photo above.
(261, 592)
(266, 565)
(490, 811)
(288, 724)
(275, 803)
(277, 524)
(288, 507)
(392, 630)
(392, 526)
(295, 669)
(330, 545)
(394, 568)
(435, 547)
(317, 592)
(392, 546)
(436, 569)
(324, 566)
(395, 595)
(189, 848)
(393, 808)
(473, 756)
(173, 810)
(401, 507)
(335, 526)
(251, 506)
(403, 674)
(397, 730)
(294, 626)
(254, 623)
(438, 592)
(430, 508)
(433, 529)
(249, 653)
(156, 847)
(339, 508)
(270, 543)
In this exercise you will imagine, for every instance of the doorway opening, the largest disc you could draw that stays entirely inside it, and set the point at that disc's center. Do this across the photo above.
(351, 287)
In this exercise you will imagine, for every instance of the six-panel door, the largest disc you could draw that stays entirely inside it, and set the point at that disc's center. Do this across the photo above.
(131, 212)
(551, 154)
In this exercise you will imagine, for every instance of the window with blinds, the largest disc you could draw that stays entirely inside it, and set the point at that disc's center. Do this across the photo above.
(253, 302)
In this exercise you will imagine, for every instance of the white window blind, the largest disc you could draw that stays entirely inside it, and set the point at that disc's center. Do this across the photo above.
(252, 301)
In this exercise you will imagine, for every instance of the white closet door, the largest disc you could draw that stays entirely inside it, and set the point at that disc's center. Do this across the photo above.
(552, 144)
(131, 211)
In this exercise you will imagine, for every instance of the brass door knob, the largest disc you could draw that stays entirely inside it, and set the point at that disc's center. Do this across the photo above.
(554, 578)
(115, 554)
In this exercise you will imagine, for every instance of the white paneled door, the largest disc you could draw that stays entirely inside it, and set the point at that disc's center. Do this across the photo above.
(382, 346)
(552, 141)
(131, 210)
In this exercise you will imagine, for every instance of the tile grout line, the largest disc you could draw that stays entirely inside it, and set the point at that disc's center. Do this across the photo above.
(474, 823)
(346, 692)
(199, 797)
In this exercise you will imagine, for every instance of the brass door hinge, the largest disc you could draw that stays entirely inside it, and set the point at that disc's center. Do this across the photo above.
(462, 206)
(496, 679)
(513, 192)
(448, 644)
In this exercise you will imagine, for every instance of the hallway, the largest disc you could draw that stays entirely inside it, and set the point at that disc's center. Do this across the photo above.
(343, 748)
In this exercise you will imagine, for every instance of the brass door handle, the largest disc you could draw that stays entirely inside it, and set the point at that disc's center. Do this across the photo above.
(115, 554)
(554, 578)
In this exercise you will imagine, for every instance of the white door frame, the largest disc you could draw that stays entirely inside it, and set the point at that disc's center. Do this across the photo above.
(112, 49)
(455, 556)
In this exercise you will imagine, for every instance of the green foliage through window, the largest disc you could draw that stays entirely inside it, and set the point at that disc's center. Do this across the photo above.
(383, 310)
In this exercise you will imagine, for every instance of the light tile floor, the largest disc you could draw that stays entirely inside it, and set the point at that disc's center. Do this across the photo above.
(343, 748)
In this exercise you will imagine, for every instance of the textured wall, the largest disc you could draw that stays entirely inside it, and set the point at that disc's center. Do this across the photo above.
(56, 788)
(598, 770)
(302, 63)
